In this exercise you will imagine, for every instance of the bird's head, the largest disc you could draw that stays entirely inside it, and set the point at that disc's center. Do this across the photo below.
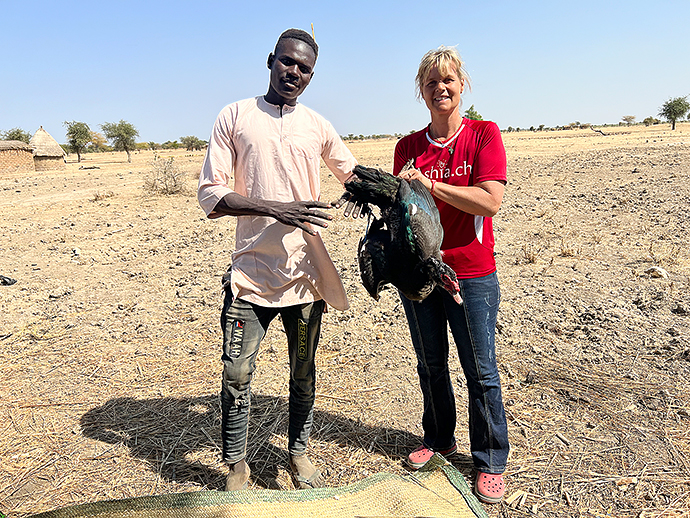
(450, 284)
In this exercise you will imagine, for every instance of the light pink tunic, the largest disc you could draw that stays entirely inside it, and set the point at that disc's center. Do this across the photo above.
(274, 153)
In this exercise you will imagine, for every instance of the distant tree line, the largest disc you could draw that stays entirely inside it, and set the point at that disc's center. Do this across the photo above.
(673, 110)
(189, 143)
(121, 135)
(470, 113)
(114, 136)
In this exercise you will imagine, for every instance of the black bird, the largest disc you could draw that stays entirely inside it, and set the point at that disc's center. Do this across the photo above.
(403, 246)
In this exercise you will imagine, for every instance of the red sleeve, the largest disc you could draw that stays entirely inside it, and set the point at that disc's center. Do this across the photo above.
(490, 163)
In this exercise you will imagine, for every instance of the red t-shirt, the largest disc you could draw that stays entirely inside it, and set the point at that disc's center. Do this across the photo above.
(474, 154)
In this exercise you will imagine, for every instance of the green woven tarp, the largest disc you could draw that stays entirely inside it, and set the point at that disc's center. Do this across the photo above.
(437, 491)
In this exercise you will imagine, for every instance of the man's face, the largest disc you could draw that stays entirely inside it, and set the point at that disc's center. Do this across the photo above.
(292, 68)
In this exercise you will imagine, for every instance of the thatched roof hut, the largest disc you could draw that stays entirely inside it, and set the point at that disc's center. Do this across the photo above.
(47, 152)
(16, 157)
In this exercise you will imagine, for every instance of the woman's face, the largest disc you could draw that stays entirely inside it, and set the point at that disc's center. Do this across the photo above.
(441, 92)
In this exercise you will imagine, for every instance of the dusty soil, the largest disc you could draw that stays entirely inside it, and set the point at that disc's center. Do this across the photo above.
(109, 339)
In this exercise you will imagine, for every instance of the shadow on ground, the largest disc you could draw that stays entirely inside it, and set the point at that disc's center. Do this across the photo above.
(168, 433)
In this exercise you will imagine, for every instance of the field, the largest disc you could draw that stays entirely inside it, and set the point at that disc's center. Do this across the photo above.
(110, 338)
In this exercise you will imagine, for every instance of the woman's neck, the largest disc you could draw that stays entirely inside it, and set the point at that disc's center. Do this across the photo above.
(443, 127)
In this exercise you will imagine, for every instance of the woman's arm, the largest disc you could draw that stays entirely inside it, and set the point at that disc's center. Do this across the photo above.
(481, 199)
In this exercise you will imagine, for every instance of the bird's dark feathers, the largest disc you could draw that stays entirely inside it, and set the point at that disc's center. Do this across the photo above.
(375, 186)
(403, 246)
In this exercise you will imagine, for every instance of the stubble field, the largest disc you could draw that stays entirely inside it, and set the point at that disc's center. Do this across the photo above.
(110, 338)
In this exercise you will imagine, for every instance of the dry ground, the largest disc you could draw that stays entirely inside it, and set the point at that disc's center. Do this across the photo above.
(109, 340)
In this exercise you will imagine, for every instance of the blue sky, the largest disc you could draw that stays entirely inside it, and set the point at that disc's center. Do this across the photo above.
(169, 67)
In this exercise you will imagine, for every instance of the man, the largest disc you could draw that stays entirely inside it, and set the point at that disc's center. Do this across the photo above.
(272, 145)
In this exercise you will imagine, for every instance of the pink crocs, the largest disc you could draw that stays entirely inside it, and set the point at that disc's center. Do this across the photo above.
(489, 488)
(421, 455)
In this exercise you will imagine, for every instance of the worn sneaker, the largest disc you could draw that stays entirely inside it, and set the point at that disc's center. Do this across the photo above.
(421, 455)
(489, 488)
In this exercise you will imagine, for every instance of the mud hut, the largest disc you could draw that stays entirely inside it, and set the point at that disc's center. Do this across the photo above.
(47, 152)
(16, 157)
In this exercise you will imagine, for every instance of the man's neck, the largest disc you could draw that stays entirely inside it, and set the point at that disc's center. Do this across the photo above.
(276, 100)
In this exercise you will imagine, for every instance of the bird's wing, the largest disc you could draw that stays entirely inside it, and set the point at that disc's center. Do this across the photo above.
(373, 186)
(372, 258)
(420, 222)
(425, 201)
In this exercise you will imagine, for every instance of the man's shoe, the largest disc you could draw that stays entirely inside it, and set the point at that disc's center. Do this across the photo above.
(238, 477)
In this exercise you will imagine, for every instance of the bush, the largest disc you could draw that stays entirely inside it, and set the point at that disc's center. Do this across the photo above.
(164, 177)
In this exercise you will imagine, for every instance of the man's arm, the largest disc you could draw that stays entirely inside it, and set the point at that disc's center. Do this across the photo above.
(298, 214)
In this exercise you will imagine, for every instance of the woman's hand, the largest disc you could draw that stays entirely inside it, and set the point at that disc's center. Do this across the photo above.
(415, 174)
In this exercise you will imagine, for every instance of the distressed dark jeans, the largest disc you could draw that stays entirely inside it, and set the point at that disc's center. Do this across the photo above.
(244, 326)
(473, 327)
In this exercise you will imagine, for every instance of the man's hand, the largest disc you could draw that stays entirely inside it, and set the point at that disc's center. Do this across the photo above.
(301, 214)
(353, 205)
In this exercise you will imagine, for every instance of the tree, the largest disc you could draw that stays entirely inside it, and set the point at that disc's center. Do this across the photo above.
(471, 113)
(16, 134)
(193, 143)
(629, 119)
(98, 143)
(674, 109)
(121, 135)
(78, 136)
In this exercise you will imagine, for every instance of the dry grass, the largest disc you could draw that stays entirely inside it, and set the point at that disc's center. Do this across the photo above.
(110, 357)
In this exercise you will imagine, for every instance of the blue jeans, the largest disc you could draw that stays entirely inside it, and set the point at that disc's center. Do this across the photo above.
(244, 326)
(473, 326)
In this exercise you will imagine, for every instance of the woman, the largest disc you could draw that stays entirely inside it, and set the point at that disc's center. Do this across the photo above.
(463, 164)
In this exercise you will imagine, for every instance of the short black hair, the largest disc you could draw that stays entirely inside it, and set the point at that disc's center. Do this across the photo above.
(298, 34)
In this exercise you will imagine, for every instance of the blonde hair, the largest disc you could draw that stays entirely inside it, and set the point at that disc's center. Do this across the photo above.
(444, 58)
